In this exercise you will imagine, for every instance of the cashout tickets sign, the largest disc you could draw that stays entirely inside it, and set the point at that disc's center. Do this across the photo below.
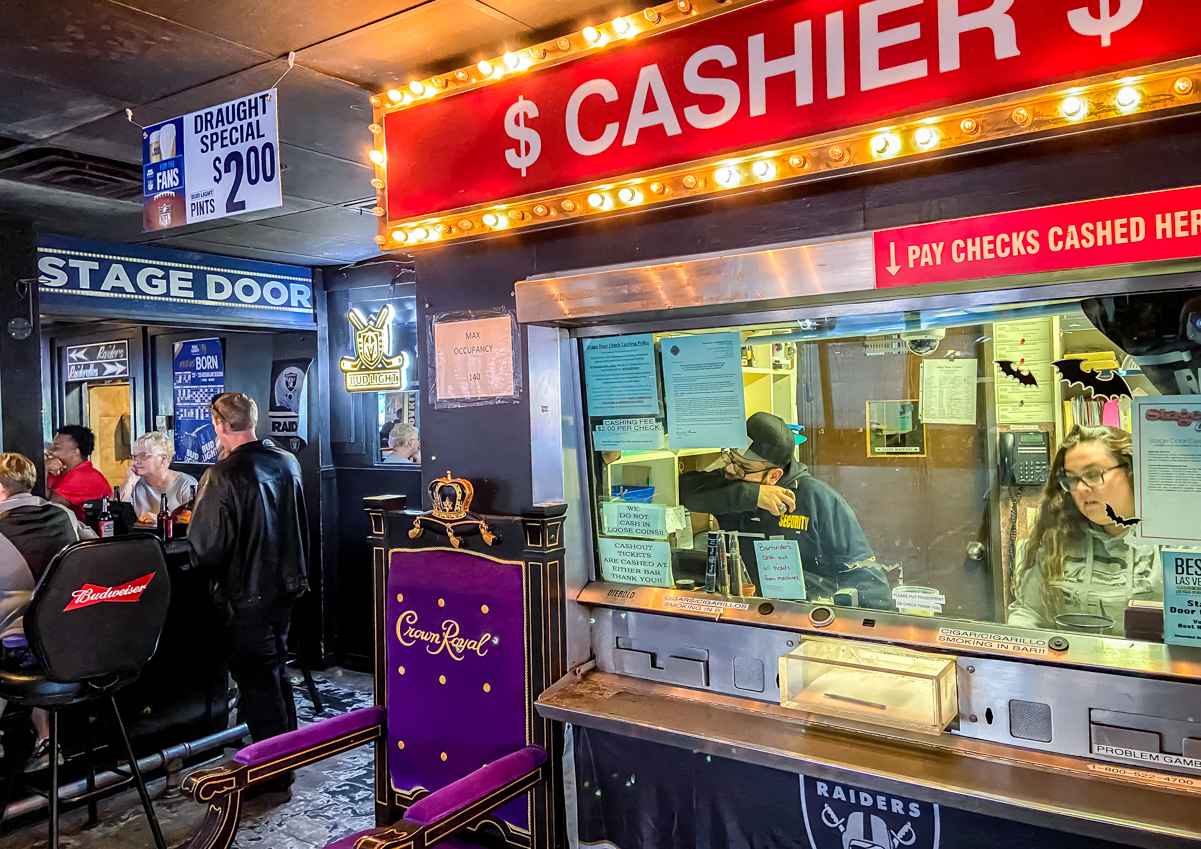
(758, 75)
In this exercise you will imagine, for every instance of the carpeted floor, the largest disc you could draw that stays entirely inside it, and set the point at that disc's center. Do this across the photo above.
(329, 800)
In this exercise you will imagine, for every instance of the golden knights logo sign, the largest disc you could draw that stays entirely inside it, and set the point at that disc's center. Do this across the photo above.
(373, 368)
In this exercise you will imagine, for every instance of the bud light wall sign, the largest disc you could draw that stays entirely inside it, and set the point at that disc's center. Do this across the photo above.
(198, 376)
(213, 163)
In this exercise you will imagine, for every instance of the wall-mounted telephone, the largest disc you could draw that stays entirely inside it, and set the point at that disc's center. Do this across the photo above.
(1025, 458)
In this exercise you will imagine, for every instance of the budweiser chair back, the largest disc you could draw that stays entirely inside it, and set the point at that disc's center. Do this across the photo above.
(99, 609)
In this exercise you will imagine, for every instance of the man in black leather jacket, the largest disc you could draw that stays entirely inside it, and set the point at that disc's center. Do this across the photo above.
(250, 533)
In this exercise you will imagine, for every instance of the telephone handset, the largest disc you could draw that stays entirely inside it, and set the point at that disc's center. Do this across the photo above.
(1025, 458)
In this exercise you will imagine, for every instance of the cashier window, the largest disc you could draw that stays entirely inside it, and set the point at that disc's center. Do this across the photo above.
(900, 422)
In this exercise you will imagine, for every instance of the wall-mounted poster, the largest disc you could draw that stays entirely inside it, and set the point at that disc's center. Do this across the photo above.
(197, 377)
(895, 428)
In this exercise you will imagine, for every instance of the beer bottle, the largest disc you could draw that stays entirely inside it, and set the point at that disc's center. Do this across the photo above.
(166, 526)
(106, 526)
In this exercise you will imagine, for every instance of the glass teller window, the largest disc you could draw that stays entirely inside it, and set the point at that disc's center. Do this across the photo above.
(1024, 463)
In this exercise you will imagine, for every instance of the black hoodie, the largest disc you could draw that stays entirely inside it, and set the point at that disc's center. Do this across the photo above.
(822, 523)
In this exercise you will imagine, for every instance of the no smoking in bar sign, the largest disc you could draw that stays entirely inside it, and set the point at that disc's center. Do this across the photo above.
(1150, 227)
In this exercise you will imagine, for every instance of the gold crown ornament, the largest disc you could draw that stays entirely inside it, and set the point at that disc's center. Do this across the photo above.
(451, 498)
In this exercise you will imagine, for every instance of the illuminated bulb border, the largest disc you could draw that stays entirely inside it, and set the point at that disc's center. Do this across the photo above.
(1168, 86)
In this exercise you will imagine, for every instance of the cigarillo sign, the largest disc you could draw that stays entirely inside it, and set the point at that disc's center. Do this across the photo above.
(596, 121)
(1150, 227)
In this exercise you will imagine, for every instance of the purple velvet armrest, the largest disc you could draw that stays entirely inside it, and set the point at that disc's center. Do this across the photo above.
(477, 786)
(310, 736)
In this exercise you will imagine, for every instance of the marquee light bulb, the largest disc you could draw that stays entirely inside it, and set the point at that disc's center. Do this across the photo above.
(490, 219)
(764, 169)
(394, 95)
(797, 161)
(1183, 86)
(1128, 98)
(591, 35)
(727, 177)
(417, 87)
(418, 234)
(1074, 108)
(377, 156)
(596, 200)
(925, 137)
(621, 26)
(398, 235)
(512, 61)
(484, 67)
(886, 144)
(629, 195)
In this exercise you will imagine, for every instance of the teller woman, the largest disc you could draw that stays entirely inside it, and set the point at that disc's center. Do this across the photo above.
(151, 477)
(1080, 567)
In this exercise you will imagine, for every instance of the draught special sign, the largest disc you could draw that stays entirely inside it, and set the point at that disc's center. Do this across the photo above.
(758, 75)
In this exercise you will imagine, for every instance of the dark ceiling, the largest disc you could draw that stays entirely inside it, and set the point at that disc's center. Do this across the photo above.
(68, 70)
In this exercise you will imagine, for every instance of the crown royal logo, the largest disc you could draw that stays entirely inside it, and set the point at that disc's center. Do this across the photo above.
(451, 514)
(447, 640)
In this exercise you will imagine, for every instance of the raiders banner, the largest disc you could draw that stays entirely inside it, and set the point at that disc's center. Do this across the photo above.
(289, 424)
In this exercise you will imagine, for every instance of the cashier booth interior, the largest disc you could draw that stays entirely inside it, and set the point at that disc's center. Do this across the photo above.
(972, 549)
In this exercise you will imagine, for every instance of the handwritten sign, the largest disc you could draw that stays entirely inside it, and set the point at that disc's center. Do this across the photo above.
(780, 572)
(473, 359)
(629, 519)
(633, 561)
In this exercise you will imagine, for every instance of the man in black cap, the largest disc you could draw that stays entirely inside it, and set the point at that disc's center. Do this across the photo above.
(764, 492)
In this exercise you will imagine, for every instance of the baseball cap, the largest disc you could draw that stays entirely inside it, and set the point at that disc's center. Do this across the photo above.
(771, 440)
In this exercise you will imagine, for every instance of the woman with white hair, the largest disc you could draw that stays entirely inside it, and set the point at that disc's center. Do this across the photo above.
(151, 477)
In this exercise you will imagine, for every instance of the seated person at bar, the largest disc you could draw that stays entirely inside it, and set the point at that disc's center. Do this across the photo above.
(71, 478)
(151, 477)
(404, 445)
(1079, 566)
(764, 492)
(32, 531)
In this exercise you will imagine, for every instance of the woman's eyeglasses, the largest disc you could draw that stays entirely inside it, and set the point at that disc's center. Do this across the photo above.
(1092, 478)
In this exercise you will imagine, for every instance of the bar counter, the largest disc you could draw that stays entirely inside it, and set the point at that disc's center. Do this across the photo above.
(1047, 791)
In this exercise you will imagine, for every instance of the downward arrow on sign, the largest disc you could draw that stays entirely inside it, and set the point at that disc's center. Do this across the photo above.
(893, 268)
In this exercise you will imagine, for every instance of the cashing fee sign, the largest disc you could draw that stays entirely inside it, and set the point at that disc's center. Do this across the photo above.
(123, 281)
(732, 89)
(219, 161)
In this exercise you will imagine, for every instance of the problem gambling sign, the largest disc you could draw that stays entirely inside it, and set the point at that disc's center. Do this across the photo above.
(219, 161)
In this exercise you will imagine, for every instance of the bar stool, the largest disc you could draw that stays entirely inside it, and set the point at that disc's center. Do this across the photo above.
(93, 623)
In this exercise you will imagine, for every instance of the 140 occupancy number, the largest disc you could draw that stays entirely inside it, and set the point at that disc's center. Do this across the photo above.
(254, 165)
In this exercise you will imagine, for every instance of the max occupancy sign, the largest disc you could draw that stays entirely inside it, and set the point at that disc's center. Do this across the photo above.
(219, 161)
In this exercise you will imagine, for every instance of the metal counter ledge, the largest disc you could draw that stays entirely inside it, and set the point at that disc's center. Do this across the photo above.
(1044, 790)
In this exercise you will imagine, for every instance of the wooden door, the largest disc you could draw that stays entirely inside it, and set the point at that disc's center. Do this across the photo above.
(110, 416)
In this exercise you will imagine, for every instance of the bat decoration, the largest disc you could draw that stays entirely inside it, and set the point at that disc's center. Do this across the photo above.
(1118, 520)
(1008, 369)
(1074, 373)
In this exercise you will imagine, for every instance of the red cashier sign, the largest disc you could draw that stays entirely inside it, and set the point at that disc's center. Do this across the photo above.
(1113, 231)
(758, 75)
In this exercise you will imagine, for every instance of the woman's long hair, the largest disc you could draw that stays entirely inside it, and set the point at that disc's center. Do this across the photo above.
(1061, 527)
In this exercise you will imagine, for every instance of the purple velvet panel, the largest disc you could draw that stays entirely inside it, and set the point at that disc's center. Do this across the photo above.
(348, 842)
(472, 788)
(309, 736)
(456, 668)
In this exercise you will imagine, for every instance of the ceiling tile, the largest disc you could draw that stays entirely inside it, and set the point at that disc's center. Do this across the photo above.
(35, 111)
(342, 221)
(415, 42)
(563, 14)
(278, 26)
(114, 51)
